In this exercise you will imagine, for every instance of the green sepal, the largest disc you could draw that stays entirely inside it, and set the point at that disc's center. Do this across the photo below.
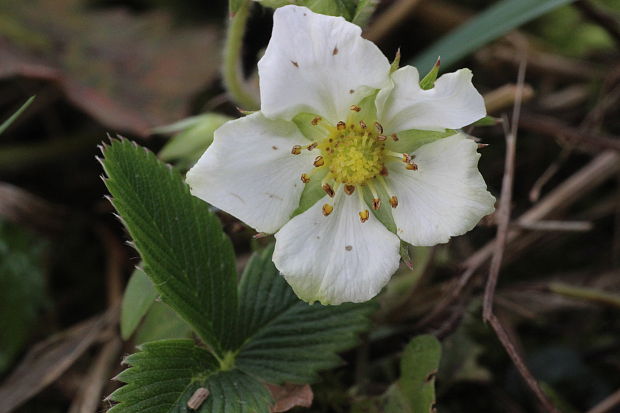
(405, 254)
(428, 82)
(312, 132)
(410, 140)
(396, 62)
(487, 121)
(194, 136)
(312, 193)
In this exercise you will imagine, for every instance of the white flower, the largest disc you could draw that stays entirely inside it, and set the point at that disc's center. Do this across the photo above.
(373, 157)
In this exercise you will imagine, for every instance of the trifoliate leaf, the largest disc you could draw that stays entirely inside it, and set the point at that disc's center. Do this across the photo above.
(289, 340)
(181, 242)
(138, 298)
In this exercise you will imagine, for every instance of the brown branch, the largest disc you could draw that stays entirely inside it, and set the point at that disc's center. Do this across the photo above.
(517, 360)
(503, 212)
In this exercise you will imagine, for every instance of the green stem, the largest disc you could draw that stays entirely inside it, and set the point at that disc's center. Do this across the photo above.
(231, 69)
(587, 294)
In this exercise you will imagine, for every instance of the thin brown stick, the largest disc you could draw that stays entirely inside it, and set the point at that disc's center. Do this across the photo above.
(390, 19)
(517, 360)
(503, 212)
(557, 226)
(607, 404)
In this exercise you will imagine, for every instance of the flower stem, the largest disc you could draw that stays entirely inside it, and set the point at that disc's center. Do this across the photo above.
(231, 69)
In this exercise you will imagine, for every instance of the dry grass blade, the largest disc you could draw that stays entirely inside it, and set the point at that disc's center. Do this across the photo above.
(49, 359)
(520, 364)
(560, 226)
(607, 404)
(89, 395)
(505, 96)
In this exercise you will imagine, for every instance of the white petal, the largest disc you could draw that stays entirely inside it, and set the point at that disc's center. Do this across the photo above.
(318, 64)
(445, 197)
(250, 173)
(337, 258)
(453, 103)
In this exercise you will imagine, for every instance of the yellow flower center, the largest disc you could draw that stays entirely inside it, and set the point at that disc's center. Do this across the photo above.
(352, 153)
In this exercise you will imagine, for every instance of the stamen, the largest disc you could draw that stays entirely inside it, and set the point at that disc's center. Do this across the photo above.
(411, 166)
(327, 209)
(349, 189)
(363, 124)
(319, 161)
(384, 171)
(379, 128)
(394, 137)
(393, 201)
(482, 145)
(376, 202)
(305, 178)
(355, 108)
(364, 215)
(296, 150)
(328, 189)
(312, 146)
(341, 125)
(315, 121)
(381, 138)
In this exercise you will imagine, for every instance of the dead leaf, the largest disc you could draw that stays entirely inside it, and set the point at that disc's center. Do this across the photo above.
(49, 359)
(290, 395)
(131, 73)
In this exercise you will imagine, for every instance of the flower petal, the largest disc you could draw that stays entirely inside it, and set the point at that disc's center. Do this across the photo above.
(249, 171)
(445, 197)
(337, 258)
(318, 64)
(453, 103)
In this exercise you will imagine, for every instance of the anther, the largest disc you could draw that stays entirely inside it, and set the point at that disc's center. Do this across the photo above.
(384, 171)
(328, 190)
(376, 204)
(412, 166)
(379, 128)
(381, 138)
(406, 158)
(355, 108)
(393, 201)
(341, 125)
(482, 145)
(363, 124)
(394, 137)
(296, 150)
(349, 189)
(319, 161)
(364, 215)
(327, 209)
(315, 121)
(312, 146)
(305, 178)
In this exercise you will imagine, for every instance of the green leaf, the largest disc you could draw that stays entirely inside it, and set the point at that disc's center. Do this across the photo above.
(415, 390)
(192, 139)
(289, 340)
(235, 5)
(161, 322)
(138, 298)
(363, 12)
(164, 375)
(181, 242)
(428, 82)
(5, 125)
(487, 26)
(411, 140)
(22, 288)
(349, 9)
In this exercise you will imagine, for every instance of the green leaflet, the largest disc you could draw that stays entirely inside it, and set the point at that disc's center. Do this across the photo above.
(180, 241)
(487, 26)
(137, 299)
(256, 332)
(22, 288)
(287, 339)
